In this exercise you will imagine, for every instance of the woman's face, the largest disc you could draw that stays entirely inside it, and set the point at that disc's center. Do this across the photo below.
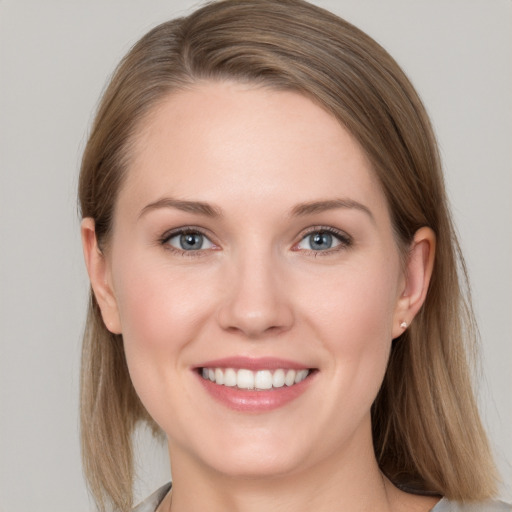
(252, 245)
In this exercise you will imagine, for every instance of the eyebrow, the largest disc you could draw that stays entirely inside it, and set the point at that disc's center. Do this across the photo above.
(196, 207)
(331, 204)
(303, 209)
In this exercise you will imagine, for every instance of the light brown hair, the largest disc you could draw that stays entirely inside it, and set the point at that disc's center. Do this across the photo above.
(426, 427)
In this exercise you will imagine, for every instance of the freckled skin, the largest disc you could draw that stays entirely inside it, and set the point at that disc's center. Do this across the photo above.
(257, 289)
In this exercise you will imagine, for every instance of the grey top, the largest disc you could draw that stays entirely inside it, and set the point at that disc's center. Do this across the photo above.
(151, 503)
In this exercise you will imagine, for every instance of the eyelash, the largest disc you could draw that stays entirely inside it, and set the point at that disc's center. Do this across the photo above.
(189, 230)
(345, 241)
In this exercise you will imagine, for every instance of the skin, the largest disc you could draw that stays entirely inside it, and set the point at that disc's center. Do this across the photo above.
(258, 289)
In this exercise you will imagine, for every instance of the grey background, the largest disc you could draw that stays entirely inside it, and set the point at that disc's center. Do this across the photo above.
(55, 57)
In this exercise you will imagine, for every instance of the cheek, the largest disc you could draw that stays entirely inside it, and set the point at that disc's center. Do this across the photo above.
(353, 318)
(161, 313)
(358, 300)
(150, 311)
(159, 305)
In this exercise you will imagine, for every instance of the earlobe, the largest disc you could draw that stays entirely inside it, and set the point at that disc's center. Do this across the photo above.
(420, 263)
(99, 276)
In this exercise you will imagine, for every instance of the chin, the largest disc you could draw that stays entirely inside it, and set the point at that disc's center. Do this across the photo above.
(257, 466)
(252, 455)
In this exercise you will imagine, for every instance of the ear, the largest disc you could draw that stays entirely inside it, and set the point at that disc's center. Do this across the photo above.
(99, 275)
(419, 265)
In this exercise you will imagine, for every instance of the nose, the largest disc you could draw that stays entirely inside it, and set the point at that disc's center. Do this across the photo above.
(256, 300)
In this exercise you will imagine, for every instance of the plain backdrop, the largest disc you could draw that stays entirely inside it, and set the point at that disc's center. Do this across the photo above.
(55, 57)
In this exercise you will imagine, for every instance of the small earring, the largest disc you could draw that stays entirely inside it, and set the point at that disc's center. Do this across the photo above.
(403, 325)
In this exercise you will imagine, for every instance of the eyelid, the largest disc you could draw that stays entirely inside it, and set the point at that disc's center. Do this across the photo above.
(344, 238)
(183, 230)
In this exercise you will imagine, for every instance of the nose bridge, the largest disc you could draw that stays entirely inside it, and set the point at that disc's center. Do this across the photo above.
(256, 301)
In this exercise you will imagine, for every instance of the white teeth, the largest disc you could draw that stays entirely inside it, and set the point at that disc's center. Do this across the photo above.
(263, 380)
(278, 379)
(289, 380)
(219, 376)
(245, 379)
(229, 377)
(301, 375)
(259, 380)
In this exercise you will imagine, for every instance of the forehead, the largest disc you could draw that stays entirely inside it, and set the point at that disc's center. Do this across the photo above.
(226, 141)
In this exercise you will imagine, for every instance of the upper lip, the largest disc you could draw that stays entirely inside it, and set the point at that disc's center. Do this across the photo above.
(253, 363)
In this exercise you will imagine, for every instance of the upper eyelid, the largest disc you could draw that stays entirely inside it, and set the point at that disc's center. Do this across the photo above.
(328, 229)
(185, 229)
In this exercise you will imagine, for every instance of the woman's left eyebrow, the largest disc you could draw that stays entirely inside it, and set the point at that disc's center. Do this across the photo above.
(330, 204)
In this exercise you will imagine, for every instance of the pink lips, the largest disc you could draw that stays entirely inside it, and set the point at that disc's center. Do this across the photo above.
(250, 400)
(263, 363)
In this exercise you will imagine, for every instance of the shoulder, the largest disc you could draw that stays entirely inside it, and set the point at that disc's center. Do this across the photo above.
(483, 506)
(150, 504)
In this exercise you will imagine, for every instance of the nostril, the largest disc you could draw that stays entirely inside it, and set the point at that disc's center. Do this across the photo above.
(253, 302)
(235, 319)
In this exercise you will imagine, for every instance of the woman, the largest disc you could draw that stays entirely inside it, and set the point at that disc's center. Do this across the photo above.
(274, 275)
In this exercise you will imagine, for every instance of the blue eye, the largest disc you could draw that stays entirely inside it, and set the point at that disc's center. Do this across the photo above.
(189, 241)
(322, 240)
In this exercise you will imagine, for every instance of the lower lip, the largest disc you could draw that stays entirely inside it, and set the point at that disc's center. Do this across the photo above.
(245, 400)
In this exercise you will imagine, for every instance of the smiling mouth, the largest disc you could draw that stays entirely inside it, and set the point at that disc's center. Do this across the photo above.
(259, 380)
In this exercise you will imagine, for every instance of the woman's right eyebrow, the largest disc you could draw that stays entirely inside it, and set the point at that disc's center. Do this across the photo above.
(197, 207)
